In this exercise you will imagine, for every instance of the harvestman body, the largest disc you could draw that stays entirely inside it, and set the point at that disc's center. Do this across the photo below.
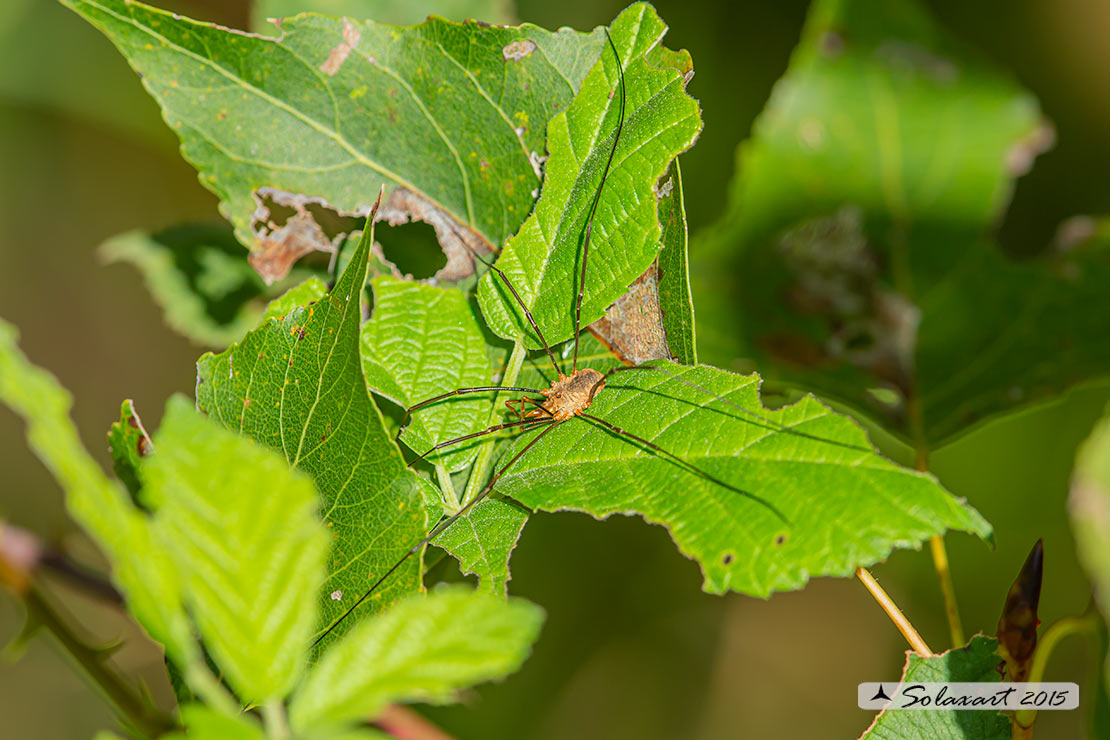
(568, 397)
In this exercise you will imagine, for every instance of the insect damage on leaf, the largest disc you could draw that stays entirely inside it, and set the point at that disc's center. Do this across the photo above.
(289, 225)
(340, 53)
(458, 243)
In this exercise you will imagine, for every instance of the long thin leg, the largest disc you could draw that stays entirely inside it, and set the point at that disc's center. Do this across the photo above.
(688, 466)
(490, 430)
(762, 421)
(516, 296)
(593, 208)
(438, 530)
(463, 391)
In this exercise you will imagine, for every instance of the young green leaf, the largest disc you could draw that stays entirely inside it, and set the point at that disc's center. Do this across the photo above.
(543, 260)
(140, 566)
(423, 341)
(975, 663)
(450, 113)
(197, 276)
(128, 444)
(295, 384)
(483, 539)
(423, 649)
(245, 535)
(301, 294)
(844, 505)
(203, 723)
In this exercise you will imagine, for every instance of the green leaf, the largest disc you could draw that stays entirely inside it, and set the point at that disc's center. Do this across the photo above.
(128, 444)
(399, 12)
(483, 539)
(140, 566)
(197, 276)
(675, 301)
(423, 649)
(975, 663)
(202, 723)
(451, 114)
(851, 260)
(420, 342)
(542, 260)
(844, 505)
(301, 294)
(1089, 507)
(246, 537)
(295, 384)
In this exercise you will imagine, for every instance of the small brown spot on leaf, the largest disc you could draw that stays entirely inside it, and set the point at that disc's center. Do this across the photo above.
(340, 53)
(517, 50)
(727, 559)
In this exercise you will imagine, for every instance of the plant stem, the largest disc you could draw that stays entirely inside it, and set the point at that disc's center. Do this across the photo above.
(448, 495)
(126, 700)
(405, 724)
(936, 542)
(912, 636)
(273, 717)
(485, 452)
(1087, 623)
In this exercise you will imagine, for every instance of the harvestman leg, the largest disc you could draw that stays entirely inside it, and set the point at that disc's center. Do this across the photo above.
(463, 391)
(441, 527)
(763, 421)
(684, 464)
(593, 209)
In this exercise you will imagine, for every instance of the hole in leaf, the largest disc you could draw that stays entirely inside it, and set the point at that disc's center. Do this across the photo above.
(412, 247)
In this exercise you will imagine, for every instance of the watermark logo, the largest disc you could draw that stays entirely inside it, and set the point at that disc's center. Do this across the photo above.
(982, 696)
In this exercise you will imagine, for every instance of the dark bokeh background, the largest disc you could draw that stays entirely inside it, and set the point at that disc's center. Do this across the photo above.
(632, 648)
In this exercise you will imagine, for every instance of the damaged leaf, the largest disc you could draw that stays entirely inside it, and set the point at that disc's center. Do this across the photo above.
(332, 109)
(128, 444)
(543, 260)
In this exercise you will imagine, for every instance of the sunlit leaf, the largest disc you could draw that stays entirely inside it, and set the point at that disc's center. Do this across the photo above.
(842, 505)
(544, 258)
(483, 539)
(295, 384)
(420, 342)
(424, 648)
(246, 537)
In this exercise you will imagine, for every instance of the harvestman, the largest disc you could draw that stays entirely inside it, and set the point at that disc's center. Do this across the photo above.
(568, 397)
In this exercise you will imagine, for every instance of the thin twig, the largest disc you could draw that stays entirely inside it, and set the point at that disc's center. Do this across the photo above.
(936, 542)
(126, 700)
(912, 636)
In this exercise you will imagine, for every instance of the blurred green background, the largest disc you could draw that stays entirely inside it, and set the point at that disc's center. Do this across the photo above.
(632, 648)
